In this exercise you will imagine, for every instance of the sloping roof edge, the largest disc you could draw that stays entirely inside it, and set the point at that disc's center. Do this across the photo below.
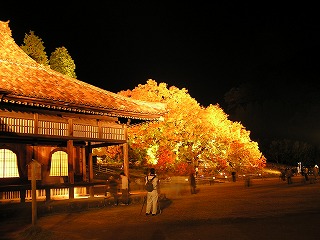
(23, 81)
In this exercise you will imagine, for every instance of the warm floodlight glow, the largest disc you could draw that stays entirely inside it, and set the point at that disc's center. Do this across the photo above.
(271, 171)
(8, 164)
(59, 164)
(151, 152)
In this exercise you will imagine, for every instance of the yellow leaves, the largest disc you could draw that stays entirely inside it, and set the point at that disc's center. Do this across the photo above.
(193, 132)
(61, 61)
(33, 46)
(152, 154)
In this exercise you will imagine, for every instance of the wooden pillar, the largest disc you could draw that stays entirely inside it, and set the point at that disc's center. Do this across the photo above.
(125, 160)
(34, 193)
(84, 164)
(48, 194)
(70, 167)
(91, 193)
(36, 123)
(125, 153)
(90, 162)
(22, 195)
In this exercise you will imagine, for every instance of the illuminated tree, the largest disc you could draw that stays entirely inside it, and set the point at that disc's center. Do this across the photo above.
(233, 146)
(61, 61)
(111, 153)
(166, 160)
(191, 133)
(33, 46)
(172, 134)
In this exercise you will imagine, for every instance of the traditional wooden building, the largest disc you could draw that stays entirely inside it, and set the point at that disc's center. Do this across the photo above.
(56, 120)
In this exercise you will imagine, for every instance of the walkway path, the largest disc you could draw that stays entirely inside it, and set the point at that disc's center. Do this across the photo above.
(268, 209)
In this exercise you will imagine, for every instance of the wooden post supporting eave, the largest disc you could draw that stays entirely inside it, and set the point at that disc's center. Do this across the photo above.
(34, 193)
(125, 160)
(90, 161)
(84, 164)
(126, 153)
(70, 167)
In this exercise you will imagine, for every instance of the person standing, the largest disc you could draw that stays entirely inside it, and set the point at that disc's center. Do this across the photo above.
(289, 175)
(233, 173)
(192, 181)
(316, 171)
(124, 189)
(113, 189)
(305, 173)
(152, 197)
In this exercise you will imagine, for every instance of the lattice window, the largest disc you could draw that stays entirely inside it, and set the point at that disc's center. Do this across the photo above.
(8, 164)
(53, 128)
(17, 125)
(59, 164)
(113, 133)
(88, 131)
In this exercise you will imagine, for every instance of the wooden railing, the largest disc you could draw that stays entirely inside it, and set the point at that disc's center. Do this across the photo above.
(52, 128)
(22, 191)
(17, 125)
(60, 129)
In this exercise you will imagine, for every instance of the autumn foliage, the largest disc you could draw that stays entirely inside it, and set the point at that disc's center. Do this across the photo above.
(191, 135)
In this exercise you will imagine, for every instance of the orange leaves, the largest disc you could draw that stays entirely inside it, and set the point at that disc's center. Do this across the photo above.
(182, 168)
(165, 159)
(190, 132)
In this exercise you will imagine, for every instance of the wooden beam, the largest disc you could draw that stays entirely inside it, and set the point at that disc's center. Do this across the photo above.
(126, 153)
(84, 163)
(70, 167)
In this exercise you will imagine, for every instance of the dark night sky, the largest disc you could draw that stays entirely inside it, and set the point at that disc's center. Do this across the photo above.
(204, 47)
(207, 47)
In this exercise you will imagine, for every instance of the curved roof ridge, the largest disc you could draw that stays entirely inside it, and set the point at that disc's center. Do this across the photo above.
(26, 80)
(10, 50)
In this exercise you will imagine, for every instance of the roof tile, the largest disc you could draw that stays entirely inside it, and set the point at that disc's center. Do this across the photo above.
(24, 78)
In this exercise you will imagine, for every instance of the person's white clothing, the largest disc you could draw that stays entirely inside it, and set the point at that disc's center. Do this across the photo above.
(152, 197)
(124, 182)
(124, 189)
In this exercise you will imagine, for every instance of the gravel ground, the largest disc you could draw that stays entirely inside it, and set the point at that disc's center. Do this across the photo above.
(268, 209)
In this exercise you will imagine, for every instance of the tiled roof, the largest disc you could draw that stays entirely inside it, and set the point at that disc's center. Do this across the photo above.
(24, 81)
